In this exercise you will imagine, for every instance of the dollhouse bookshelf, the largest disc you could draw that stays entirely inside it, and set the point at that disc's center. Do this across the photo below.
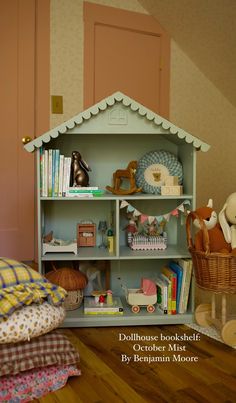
(109, 135)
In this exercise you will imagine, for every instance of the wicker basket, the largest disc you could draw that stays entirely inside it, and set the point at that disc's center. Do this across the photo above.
(73, 281)
(213, 271)
(73, 300)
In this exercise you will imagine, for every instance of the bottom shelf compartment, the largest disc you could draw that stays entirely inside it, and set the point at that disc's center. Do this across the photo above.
(132, 280)
(77, 318)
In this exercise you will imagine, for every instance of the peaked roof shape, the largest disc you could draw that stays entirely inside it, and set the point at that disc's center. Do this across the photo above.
(104, 104)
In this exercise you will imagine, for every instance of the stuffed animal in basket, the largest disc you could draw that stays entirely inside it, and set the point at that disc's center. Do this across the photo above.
(227, 220)
(217, 242)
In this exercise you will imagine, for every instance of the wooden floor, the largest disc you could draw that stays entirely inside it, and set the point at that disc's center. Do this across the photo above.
(105, 378)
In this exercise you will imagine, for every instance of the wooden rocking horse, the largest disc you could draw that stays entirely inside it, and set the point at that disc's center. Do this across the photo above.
(129, 174)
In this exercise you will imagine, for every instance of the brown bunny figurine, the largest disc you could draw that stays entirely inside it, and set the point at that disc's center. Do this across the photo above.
(79, 170)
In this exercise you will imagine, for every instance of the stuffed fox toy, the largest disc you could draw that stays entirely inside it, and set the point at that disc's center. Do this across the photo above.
(217, 242)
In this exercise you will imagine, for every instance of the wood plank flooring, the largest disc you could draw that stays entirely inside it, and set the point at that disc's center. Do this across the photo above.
(106, 379)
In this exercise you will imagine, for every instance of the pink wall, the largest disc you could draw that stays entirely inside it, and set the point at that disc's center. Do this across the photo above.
(24, 75)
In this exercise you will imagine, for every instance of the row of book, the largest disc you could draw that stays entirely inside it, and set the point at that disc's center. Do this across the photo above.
(55, 175)
(173, 287)
(173, 290)
(55, 171)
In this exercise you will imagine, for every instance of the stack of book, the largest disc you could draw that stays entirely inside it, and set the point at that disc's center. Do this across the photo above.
(96, 308)
(55, 172)
(173, 287)
(93, 191)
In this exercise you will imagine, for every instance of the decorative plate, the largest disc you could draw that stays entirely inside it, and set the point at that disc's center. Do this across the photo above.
(153, 168)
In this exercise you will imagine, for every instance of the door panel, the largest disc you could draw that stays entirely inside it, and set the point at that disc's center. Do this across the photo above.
(18, 82)
(138, 76)
(128, 52)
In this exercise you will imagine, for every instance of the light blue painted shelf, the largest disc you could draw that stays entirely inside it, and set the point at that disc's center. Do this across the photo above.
(108, 143)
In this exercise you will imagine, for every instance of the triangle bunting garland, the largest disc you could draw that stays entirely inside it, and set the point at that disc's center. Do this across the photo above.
(158, 218)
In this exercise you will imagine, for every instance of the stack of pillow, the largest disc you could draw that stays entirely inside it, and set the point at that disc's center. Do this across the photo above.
(35, 358)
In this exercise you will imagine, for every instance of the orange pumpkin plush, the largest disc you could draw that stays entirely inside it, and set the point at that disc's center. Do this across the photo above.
(217, 241)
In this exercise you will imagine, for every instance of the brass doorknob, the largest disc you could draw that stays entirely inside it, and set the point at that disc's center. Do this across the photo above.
(26, 139)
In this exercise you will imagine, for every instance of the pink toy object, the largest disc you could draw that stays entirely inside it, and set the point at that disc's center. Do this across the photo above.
(144, 296)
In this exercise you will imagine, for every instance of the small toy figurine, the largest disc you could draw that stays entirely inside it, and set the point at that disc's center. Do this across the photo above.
(153, 230)
(97, 295)
(109, 297)
(79, 170)
(132, 226)
(101, 299)
(129, 174)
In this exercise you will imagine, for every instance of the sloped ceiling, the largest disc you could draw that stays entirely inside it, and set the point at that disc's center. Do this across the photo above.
(206, 32)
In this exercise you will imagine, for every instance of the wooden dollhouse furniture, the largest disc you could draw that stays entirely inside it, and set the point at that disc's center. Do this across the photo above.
(86, 235)
(110, 134)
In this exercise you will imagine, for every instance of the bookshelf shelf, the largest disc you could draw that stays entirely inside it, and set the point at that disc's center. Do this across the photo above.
(172, 252)
(85, 253)
(109, 135)
(109, 196)
(77, 318)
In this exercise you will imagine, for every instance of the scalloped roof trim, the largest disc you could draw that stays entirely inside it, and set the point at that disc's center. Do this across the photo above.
(103, 105)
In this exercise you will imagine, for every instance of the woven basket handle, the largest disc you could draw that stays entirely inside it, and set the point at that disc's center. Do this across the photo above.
(192, 216)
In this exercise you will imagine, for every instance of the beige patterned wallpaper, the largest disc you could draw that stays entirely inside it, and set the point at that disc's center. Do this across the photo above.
(196, 104)
(200, 108)
(67, 51)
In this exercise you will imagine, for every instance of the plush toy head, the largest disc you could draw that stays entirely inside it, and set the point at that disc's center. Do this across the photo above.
(217, 242)
(208, 215)
(227, 216)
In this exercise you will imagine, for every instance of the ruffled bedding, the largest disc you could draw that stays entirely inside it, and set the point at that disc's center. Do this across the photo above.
(34, 358)
(33, 384)
(53, 348)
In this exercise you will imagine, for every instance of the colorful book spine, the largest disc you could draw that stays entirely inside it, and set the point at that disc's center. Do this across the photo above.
(53, 173)
(179, 277)
(41, 170)
(84, 192)
(80, 195)
(169, 293)
(50, 166)
(61, 169)
(162, 295)
(45, 175)
(103, 312)
(56, 172)
(75, 189)
(173, 278)
(66, 175)
(186, 265)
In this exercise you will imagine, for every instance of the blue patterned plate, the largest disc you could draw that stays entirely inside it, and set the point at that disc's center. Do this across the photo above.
(152, 169)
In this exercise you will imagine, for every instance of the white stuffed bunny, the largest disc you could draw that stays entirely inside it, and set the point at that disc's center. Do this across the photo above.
(227, 220)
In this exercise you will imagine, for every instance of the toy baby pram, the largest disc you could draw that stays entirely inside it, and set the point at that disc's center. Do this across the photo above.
(146, 295)
(215, 272)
